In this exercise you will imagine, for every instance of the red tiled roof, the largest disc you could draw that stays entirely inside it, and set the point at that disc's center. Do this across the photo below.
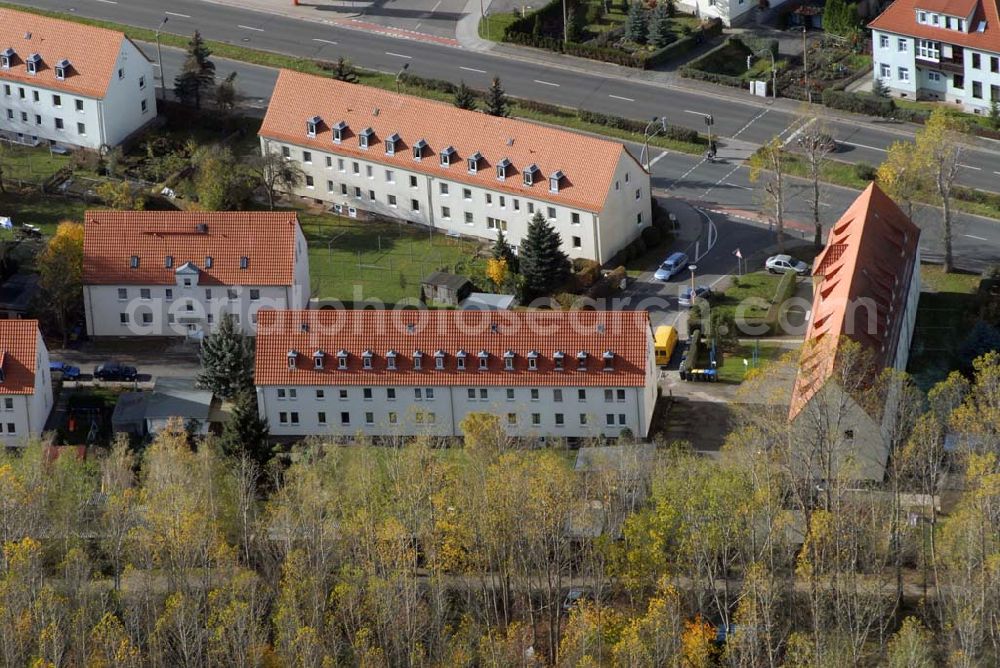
(588, 163)
(18, 351)
(900, 18)
(625, 333)
(870, 255)
(92, 52)
(266, 239)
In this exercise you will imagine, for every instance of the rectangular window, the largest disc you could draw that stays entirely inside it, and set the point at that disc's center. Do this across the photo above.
(59, 124)
(511, 418)
(484, 393)
(321, 417)
(994, 93)
(329, 186)
(309, 182)
(123, 318)
(977, 90)
(345, 417)
(621, 419)
(368, 171)
(976, 61)
(390, 393)
(357, 192)
(413, 181)
(329, 162)
(143, 106)
(429, 393)
(489, 198)
(466, 194)
(559, 420)
(510, 394)
(38, 119)
(340, 164)
(471, 392)
(928, 49)
(621, 396)
(390, 176)
(958, 81)
(609, 419)
(443, 188)
(517, 204)
(392, 417)
(445, 212)
(418, 394)
(343, 188)
(581, 394)
(56, 99)
(557, 395)
(11, 428)
(371, 195)
(392, 201)
(534, 394)
(8, 403)
(79, 103)
(638, 193)
(885, 71)
(574, 218)
(995, 64)
(904, 74)
(307, 157)
(536, 419)
(320, 394)
(286, 152)
(295, 417)
(551, 213)
(883, 41)
(283, 417)
(414, 205)
(122, 294)
(577, 242)
(503, 202)
(144, 293)
(469, 220)
(369, 418)
(366, 393)
(583, 418)
(900, 44)
(496, 224)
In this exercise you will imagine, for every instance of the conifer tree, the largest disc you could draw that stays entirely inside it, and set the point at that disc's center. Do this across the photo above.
(502, 250)
(543, 263)
(198, 73)
(245, 432)
(496, 99)
(464, 97)
(635, 26)
(344, 71)
(227, 359)
(659, 26)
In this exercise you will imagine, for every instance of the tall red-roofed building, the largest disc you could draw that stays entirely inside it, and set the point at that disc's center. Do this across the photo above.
(866, 288)
(564, 374)
(367, 151)
(176, 273)
(940, 50)
(25, 381)
(71, 84)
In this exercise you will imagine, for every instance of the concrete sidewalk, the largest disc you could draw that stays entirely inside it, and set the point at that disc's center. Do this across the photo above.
(690, 227)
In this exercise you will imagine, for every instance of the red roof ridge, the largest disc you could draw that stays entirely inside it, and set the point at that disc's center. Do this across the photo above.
(900, 18)
(18, 356)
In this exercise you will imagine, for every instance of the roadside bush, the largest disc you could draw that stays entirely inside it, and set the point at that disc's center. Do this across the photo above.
(428, 83)
(565, 300)
(585, 274)
(594, 13)
(690, 360)
(864, 171)
(673, 132)
(652, 237)
(712, 77)
(860, 103)
(544, 108)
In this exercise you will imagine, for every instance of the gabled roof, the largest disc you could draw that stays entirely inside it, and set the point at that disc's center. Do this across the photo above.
(900, 17)
(18, 356)
(302, 334)
(586, 162)
(92, 52)
(112, 238)
(864, 272)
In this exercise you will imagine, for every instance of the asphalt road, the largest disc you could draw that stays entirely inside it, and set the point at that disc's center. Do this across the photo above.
(736, 115)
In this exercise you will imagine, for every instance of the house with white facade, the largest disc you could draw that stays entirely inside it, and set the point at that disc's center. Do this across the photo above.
(946, 50)
(176, 273)
(25, 381)
(866, 289)
(732, 13)
(368, 151)
(71, 84)
(564, 374)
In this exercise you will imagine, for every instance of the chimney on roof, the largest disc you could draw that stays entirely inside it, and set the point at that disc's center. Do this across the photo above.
(494, 327)
(27, 35)
(202, 228)
(375, 111)
(510, 141)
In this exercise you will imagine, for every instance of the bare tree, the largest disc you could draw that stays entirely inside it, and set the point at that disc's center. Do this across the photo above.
(816, 144)
(767, 166)
(941, 144)
(275, 174)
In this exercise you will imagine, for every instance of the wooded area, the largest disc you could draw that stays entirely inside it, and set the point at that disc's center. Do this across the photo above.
(430, 556)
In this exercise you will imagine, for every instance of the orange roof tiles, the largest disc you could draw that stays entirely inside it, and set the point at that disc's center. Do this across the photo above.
(112, 238)
(587, 163)
(625, 333)
(865, 270)
(92, 52)
(900, 17)
(18, 356)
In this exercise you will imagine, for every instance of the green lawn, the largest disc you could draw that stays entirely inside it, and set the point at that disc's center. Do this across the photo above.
(352, 259)
(494, 26)
(732, 369)
(933, 279)
(45, 211)
(758, 285)
(31, 165)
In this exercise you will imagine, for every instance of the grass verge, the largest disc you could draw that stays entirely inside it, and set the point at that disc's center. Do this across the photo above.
(757, 286)
(733, 371)
(368, 77)
(494, 27)
(45, 211)
(30, 164)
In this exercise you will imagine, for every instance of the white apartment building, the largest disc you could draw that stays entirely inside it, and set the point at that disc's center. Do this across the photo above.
(176, 273)
(945, 50)
(573, 374)
(369, 151)
(71, 84)
(25, 381)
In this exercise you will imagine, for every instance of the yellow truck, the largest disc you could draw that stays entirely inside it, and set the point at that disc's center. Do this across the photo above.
(664, 342)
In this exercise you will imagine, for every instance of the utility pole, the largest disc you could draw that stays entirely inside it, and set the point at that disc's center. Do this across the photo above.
(565, 24)
(805, 66)
(159, 57)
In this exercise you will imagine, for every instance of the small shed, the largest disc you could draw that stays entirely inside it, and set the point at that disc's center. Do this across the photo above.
(146, 413)
(488, 301)
(445, 288)
(16, 295)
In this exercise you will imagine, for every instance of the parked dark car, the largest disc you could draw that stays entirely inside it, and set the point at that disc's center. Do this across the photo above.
(68, 371)
(115, 371)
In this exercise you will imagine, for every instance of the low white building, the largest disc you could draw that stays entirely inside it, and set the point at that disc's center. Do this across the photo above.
(25, 381)
(71, 84)
(946, 50)
(732, 13)
(370, 151)
(176, 273)
(575, 374)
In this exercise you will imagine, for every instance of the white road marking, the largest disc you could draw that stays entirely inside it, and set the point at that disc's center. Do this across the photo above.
(324, 41)
(870, 148)
(736, 185)
(398, 55)
(997, 173)
(250, 28)
(434, 8)
(685, 174)
(978, 169)
(751, 122)
(619, 97)
(417, 27)
(972, 236)
(720, 181)
(546, 83)
(183, 16)
(155, 64)
(108, 2)
(471, 69)
(657, 159)
(799, 130)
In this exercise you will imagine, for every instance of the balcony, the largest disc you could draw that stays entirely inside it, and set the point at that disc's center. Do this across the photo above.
(953, 65)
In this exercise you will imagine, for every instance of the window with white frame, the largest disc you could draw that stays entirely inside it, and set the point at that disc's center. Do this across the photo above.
(883, 41)
(885, 71)
(900, 44)
(928, 49)
(934, 76)
(904, 74)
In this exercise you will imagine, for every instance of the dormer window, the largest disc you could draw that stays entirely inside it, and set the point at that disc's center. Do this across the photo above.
(366, 359)
(134, 262)
(342, 356)
(34, 63)
(557, 359)
(581, 361)
(312, 125)
(339, 130)
(529, 175)
(62, 69)
(502, 168)
(418, 149)
(508, 360)
(446, 155)
(168, 261)
(473, 162)
(418, 359)
(390, 360)
(365, 138)
(208, 262)
(484, 360)
(554, 180)
(318, 358)
(609, 360)
(293, 358)
(7, 58)
(533, 360)
(390, 144)
(439, 360)
(460, 359)
(244, 262)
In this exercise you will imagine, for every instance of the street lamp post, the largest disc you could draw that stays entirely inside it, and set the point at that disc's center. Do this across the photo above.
(402, 69)
(774, 74)
(805, 66)
(159, 57)
(565, 25)
(692, 267)
(645, 141)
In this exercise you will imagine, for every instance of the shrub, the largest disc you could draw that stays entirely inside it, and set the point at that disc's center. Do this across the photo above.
(860, 103)
(565, 300)
(544, 108)
(586, 273)
(428, 83)
(651, 236)
(595, 12)
(864, 171)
